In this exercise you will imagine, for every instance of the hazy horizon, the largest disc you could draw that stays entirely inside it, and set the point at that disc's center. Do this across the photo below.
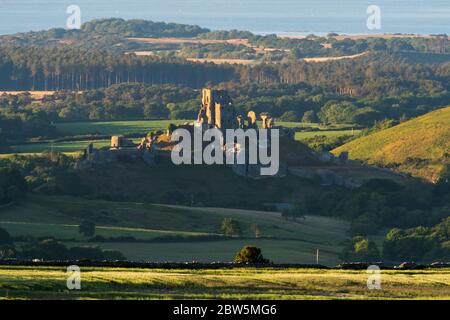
(259, 16)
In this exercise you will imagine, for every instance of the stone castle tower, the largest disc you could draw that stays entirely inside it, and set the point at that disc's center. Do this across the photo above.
(217, 110)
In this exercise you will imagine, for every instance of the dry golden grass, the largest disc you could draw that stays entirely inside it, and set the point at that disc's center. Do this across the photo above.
(38, 95)
(222, 61)
(114, 283)
(426, 138)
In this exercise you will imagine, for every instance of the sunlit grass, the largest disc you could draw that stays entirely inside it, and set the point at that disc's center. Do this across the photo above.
(110, 283)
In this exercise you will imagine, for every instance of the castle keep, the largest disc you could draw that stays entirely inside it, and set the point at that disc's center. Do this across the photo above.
(218, 111)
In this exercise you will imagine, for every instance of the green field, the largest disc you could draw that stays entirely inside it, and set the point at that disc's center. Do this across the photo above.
(114, 283)
(63, 147)
(127, 127)
(114, 127)
(282, 241)
(124, 127)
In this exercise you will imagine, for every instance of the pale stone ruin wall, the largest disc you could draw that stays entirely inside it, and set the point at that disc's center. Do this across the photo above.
(120, 148)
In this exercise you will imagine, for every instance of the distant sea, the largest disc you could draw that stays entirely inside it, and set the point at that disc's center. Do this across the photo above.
(286, 17)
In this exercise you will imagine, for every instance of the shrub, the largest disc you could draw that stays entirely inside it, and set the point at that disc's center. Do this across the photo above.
(289, 116)
(250, 254)
(49, 249)
(310, 117)
(360, 249)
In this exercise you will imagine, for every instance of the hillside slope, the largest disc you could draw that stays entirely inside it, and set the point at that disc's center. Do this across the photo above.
(420, 146)
(174, 233)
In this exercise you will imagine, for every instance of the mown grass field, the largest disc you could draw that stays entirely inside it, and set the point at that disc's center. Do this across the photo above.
(113, 283)
(63, 147)
(143, 126)
(281, 241)
(114, 127)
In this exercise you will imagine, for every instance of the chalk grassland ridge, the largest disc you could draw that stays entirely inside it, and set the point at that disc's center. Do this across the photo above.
(288, 284)
(426, 138)
(174, 233)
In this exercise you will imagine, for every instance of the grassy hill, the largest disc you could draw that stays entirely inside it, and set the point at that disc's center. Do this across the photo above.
(174, 233)
(420, 146)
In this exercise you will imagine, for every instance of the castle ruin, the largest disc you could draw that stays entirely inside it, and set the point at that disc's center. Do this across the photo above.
(217, 111)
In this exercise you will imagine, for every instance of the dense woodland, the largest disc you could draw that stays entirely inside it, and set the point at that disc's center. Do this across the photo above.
(38, 68)
(21, 116)
(119, 86)
(113, 34)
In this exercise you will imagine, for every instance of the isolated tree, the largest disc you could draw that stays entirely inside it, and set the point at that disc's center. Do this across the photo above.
(360, 249)
(309, 117)
(256, 230)
(87, 228)
(250, 254)
(230, 228)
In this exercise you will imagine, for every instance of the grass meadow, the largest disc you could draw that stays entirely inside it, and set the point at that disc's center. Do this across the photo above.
(114, 127)
(288, 284)
(175, 233)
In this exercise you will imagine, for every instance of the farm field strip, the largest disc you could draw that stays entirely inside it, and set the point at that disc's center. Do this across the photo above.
(127, 127)
(115, 127)
(71, 231)
(117, 283)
